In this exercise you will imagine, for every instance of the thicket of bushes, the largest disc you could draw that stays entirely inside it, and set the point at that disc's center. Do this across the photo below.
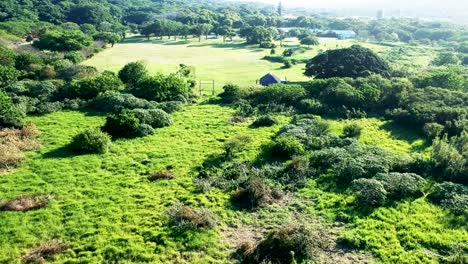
(395, 98)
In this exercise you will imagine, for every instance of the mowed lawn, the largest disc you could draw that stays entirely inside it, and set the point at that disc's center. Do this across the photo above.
(229, 62)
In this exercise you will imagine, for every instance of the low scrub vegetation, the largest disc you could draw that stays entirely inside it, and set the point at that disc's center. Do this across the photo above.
(187, 218)
(256, 193)
(293, 243)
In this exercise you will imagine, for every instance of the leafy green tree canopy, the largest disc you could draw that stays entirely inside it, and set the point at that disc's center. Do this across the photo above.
(354, 62)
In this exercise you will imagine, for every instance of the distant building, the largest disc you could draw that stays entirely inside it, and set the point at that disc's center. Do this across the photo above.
(381, 14)
(344, 34)
(270, 79)
(339, 34)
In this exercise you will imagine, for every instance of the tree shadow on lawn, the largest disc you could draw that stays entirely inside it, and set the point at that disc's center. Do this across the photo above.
(61, 152)
(401, 133)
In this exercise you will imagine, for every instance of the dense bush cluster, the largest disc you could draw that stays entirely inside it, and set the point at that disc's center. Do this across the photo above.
(136, 123)
(10, 115)
(355, 61)
(387, 186)
(451, 196)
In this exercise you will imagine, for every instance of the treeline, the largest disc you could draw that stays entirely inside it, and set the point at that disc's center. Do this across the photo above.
(257, 23)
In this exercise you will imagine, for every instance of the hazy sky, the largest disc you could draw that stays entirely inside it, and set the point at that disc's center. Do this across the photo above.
(395, 4)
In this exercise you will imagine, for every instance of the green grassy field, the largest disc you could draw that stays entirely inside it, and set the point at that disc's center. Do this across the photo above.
(107, 210)
(215, 60)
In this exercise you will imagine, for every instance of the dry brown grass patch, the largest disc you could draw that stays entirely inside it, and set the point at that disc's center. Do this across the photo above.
(38, 254)
(14, 141)
(26, 203)
(186, 218)
(161, 175)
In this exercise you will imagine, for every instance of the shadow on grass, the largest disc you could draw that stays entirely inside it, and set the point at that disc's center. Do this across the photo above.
(402, 133)
(192, 43)
(62, 152)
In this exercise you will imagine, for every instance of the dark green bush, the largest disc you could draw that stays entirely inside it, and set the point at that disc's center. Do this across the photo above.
(265, 121)
(89, 88)
(24, 60)
(132, 73)
(231, 93)
(310, 106)
(73, 56)
(10, 115)
(8, 75)
(115, 102)
(280, 94)
(452, 196)
(122, 125)
(433, 130)
(352, 131)
(244, 108)
(161, 87)
(286, 147)
(402, 185)
(7, 57)
(91, 141)
(145, 130)
(369, 192)
(156, 118)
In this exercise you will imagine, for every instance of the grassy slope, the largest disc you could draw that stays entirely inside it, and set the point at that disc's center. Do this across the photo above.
(106, 208)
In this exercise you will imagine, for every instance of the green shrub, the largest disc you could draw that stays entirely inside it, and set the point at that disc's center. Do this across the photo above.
(89, 88)
(280, 94)
(122, 125)
(10, 115)
(451, 196)
(287, 147)
(161, 87)
(236, 145)
(352, 131)
(369, 192)
(145, 130)
(265, 121)
(433, 130)
(402, 185)
(244, 108)
(288, 53)
(287, 64)
(7, 56)
(73, 56)
(132, 73)
(156, 118)
(310, 106)
(23, 61)
(231, 93)
(91, 141)
(8, 75)
(187, 218)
